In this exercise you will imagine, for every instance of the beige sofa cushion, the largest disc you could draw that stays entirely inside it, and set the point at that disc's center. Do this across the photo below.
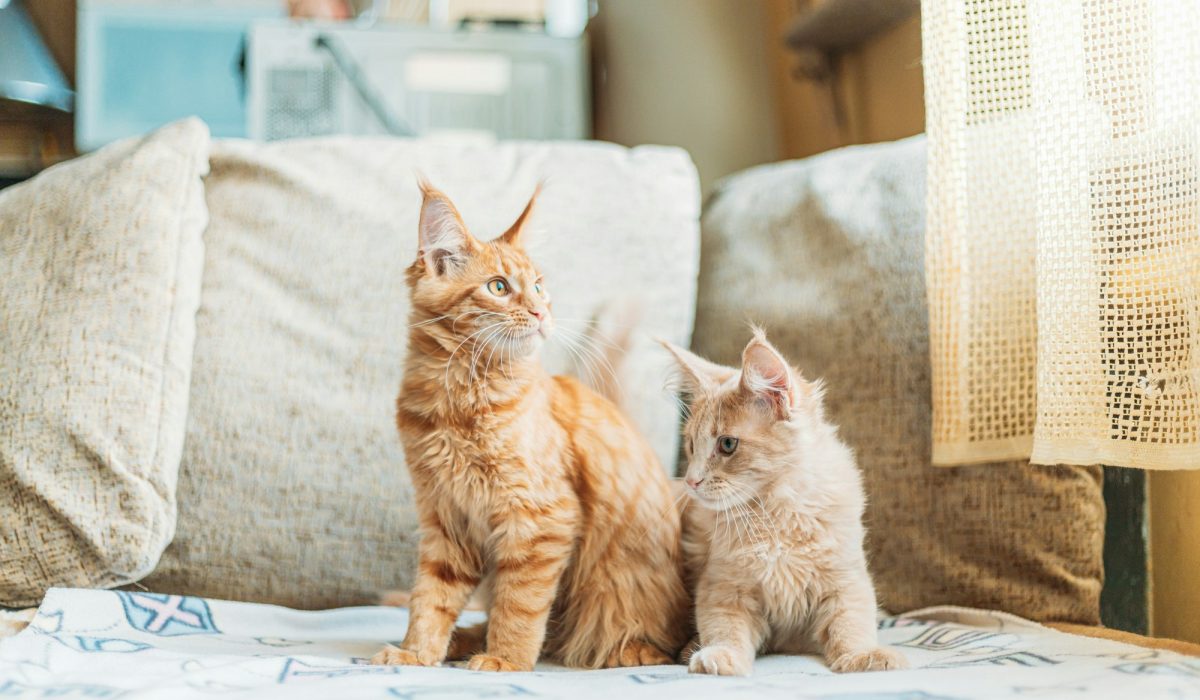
(828, 254)
(293, 488)
(100, 264)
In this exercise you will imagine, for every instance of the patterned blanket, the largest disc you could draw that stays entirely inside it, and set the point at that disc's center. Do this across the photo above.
(106, 644)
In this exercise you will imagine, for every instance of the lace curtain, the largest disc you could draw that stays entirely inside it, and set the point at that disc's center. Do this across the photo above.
(1063, 244)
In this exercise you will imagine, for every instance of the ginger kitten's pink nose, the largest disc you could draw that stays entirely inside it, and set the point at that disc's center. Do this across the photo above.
(537, 314)
(693, 483)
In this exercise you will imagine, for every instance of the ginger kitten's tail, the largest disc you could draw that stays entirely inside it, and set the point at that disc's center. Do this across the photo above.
(395, 599)
(606, 344)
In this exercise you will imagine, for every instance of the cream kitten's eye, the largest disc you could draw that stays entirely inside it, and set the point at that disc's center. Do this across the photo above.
(726, 444)
(498, 287)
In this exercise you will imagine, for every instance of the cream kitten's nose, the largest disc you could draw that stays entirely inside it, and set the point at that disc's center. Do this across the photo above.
(693, 483)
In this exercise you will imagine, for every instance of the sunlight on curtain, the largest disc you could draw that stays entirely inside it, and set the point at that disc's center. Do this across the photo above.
(1063, 243)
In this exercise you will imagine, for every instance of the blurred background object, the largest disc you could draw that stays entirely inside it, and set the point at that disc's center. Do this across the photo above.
(719, 78)
(319, 9)
(736, 82)
(29, 77)
(143, 64)
(34, 95)
(846, 51)
(406, 80)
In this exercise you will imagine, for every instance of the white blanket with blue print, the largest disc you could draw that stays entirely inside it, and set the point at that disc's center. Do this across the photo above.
(103, 644)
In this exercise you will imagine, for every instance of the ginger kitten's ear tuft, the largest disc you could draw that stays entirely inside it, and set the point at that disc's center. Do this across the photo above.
(699, 374)
(445, 242)
(514, 233)
(766, 376)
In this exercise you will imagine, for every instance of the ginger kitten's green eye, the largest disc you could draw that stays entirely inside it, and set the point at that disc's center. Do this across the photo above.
(726, 444)
(498, 287)
(537, 287)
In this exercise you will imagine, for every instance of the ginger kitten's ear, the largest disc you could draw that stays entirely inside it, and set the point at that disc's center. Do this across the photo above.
(699, 374)
(445, 242)
(767, 377)
(513, 235)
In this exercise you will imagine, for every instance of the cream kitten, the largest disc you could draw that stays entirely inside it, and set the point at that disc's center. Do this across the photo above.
(773, 534)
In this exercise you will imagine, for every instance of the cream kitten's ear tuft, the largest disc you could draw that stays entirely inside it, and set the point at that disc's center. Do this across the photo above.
(445, 242)
(766, 376)
(515, 232)
(699, 374)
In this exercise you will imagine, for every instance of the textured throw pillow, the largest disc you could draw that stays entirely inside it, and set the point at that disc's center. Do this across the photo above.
(293, 488)
(827, 253)
(100, 264)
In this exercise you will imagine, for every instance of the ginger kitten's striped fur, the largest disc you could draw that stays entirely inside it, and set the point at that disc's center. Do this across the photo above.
(773, 530)
(529, 486)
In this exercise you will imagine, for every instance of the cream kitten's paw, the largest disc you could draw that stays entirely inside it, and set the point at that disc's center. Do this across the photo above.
(394, 656)
(721, 661)
(486, 662)
(877, 659)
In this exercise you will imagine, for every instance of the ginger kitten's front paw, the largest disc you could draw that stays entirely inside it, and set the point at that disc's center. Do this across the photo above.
(721, 661)
(486, 662)
(394, 656)
(877, 659)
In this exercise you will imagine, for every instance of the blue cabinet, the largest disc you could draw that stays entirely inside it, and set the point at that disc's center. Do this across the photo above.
(143, 64)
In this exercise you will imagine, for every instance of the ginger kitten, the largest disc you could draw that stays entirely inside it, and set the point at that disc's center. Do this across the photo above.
(530, 487)
(773, 531)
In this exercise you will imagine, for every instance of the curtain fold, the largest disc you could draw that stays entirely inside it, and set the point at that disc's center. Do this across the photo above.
(1063, 241)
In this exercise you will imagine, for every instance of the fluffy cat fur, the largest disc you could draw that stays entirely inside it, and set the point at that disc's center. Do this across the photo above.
(529, 487)
(773, 530)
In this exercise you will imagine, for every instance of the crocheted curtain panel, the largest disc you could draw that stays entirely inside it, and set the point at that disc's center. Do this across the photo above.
(1063, 241)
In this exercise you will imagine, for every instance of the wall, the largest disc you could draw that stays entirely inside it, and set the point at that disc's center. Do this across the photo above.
(715, 77)
(690, 73)
(1175, 555)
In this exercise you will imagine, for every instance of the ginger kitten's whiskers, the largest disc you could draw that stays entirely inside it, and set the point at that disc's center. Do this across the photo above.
(531, 488)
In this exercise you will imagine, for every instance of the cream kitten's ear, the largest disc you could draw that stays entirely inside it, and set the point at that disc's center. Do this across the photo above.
(444, 240)
(766, 375)
(699, 373)
(514, 233)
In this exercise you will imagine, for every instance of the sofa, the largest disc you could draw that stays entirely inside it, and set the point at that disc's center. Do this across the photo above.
(201, 342)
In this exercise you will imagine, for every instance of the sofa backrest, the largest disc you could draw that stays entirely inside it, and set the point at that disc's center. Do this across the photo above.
(292, 486)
